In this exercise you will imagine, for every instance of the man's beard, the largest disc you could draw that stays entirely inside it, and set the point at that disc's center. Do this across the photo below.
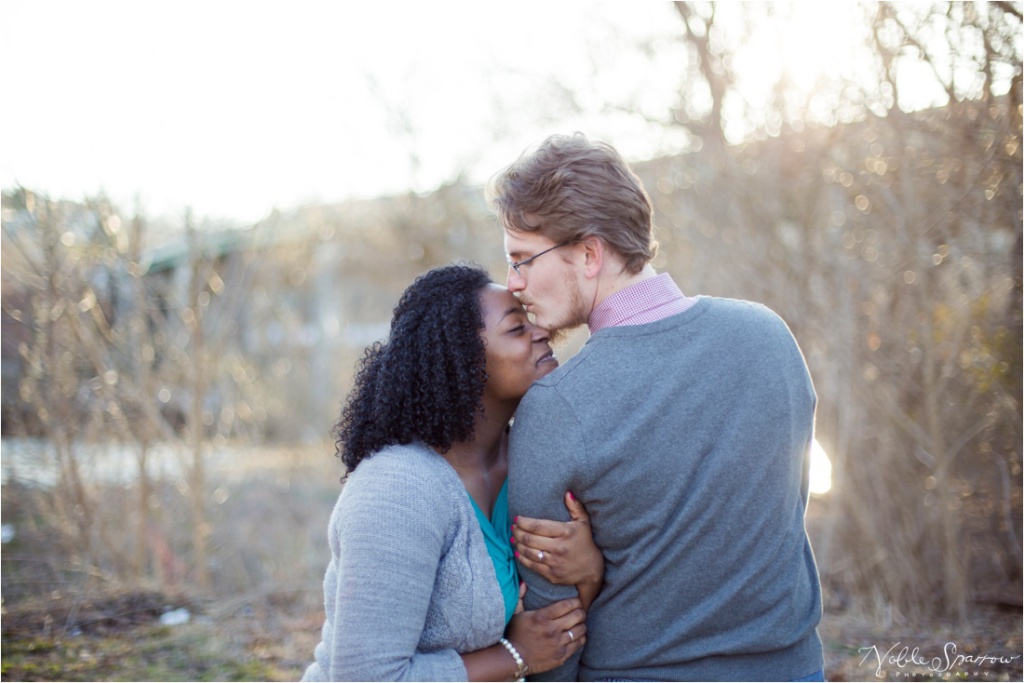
(575, 315)
(559, 337)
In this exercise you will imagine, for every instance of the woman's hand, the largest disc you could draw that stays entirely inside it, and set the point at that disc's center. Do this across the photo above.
(546, 637)
(564, 553)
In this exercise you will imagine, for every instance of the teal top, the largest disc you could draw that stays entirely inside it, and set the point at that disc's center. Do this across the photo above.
(498, 535)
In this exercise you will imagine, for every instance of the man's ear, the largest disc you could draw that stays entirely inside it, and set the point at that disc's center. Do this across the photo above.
(594, 255)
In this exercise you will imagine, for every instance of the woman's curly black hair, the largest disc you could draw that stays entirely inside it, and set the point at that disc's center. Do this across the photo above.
(426, 382)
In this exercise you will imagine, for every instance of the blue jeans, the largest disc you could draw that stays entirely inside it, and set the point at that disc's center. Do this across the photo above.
(818, 675)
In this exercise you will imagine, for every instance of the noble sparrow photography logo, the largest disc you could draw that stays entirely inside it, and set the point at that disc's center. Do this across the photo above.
(949, 663)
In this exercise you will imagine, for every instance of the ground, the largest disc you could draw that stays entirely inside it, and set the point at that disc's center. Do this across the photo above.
(861, 649)
(119, 637)
(65, 618)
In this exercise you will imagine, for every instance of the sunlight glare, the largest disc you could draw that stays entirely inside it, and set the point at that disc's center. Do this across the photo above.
(809, 46)
(821, 469)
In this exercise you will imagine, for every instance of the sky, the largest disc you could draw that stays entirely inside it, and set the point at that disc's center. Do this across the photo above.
(234, 108)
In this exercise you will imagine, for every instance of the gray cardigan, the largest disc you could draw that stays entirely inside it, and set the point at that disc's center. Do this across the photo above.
(410, 585)
(687, 440)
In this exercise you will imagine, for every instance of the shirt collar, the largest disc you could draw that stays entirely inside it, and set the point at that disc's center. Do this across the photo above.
(644, 302)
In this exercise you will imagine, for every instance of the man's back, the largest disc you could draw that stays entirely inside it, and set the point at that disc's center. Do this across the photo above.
(686, 439)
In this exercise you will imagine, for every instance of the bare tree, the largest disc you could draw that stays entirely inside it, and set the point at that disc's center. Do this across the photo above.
(109, 343)
(884, 242)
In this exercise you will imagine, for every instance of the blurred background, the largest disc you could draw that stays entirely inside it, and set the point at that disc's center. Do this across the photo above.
(210, 209)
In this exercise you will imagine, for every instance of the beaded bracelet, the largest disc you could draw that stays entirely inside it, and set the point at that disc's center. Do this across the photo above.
(521, 668)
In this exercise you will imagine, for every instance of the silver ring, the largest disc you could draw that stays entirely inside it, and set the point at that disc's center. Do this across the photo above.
(540, 555)
(570, 635)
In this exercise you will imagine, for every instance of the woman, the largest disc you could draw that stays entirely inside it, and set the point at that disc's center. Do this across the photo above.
(422, 583)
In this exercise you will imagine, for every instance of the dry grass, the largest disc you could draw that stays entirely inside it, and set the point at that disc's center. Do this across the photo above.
(70, 614)
(73, 611)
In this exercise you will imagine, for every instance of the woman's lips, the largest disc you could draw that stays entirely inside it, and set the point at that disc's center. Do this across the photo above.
(548, 357)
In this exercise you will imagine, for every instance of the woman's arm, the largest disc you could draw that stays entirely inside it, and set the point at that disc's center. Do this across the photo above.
(564, 553)
(542, 638)
(387, 538)
(494, 663)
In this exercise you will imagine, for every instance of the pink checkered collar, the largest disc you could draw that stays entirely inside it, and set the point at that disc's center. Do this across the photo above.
(645, 302)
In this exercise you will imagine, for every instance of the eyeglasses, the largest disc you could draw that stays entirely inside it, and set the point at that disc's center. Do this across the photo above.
(519, 264)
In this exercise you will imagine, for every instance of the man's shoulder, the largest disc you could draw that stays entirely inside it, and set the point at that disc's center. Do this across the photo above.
(739, 316)
(726, 307)
(562, 385)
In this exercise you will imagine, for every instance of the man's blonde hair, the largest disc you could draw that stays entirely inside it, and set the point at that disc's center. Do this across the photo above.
(577, 189)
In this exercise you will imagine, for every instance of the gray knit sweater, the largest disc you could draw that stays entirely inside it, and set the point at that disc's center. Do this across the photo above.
(687, 440)
(410, 585)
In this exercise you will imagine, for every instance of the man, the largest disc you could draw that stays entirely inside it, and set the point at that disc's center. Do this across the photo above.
(683, 425)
